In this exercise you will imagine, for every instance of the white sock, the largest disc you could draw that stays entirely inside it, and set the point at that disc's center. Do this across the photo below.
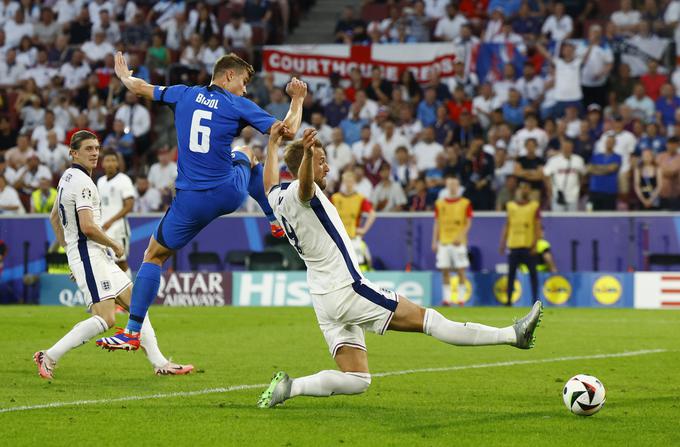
(78, 336)
(465, 334)
(446, 292)
(329, 382)
(147, 339)
(128, 272)
(462, 290)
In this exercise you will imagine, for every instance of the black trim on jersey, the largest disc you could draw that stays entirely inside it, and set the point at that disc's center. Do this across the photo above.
(284, 186)
(273, 188)
(163, 90)
(77, 166)
(87, 265)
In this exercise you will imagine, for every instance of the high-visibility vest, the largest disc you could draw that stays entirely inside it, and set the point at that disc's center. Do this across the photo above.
(42, 204)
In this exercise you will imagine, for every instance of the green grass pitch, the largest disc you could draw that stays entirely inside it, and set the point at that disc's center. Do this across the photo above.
(518, 403)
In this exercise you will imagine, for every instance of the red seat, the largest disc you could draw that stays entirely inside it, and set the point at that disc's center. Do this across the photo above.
(375, 11)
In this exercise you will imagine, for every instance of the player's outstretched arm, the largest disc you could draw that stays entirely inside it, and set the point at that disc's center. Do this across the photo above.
(297, 91)
(54, 221)
(92, 231)
(271, 166)
(136, 85)
(306, 170)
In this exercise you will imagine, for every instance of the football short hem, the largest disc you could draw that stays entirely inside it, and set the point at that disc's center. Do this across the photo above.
(339, 345)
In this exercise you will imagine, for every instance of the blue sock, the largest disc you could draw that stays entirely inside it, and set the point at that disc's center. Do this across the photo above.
(143, 293)
(257, 192)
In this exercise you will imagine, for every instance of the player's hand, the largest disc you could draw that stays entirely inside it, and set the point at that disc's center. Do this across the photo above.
(121, 67)
(276, 133)
(107, 225)
(296, 88)
(118, 250)
(308, 138)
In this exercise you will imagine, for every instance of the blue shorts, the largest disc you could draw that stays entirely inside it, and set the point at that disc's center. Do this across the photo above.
(191, 211)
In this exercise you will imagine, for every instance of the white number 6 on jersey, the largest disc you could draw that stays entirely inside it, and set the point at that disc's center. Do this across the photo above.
(199, 137)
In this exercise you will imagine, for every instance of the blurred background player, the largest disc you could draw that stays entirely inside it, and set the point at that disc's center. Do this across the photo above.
(545, 262)
(521, 232)
(117, 194)
(352, 206)
(213, 179)
(346, 304)
(76, 221)
(452, 222)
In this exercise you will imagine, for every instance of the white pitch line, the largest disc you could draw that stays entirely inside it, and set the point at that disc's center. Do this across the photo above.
(383, 374)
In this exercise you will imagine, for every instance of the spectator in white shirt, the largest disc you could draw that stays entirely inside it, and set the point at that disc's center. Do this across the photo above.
(369, 108)
(177, 32)
(17, 28)
(563, 177)
(8, 9)
(404, 169)
(110, 29)
(9, 199)
(484, 104)
(41, 72)
(163, 173)
(76, 71)
(567, 76)
(93, 7)
(595, 70)
(625, 143)
(642, 105)
(211, 52)
(248, 138)
(517, 147)
(66, 10)
(501, 87)
(65, 112)
(97, 48)
(435, 9)
(626, 19)
(508, 36)
(40, 132)
(494, 25)
(530, 86)
(391, 140)
(338, 154)
(10, 70)
(448, 27)
(362, 148)
(427, 150)
(135, 116)
(47, 29)
(388, 195)
(237, 33)
(53, 154)
(28, 177)
(558, 26)
(149, 199)
(164, 11)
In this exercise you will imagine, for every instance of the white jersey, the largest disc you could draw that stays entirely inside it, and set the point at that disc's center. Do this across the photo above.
(113, 193)
(76, 191)
(317, 233)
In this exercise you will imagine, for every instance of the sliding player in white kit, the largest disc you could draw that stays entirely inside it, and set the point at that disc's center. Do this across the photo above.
(76, 220)
(346, 303)
(117, 195)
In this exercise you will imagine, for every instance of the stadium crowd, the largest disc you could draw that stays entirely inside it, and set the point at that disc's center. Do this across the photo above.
(585, 126)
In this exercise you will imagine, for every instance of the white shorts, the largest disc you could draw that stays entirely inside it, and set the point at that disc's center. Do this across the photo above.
(99, 278)
(346, 313)
(451, 256)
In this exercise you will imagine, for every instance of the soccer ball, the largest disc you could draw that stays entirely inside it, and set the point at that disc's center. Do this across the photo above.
(584, 395)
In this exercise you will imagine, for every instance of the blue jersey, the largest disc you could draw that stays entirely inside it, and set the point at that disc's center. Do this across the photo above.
(207, 120)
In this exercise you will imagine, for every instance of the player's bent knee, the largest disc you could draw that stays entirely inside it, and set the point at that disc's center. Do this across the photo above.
(156, 253)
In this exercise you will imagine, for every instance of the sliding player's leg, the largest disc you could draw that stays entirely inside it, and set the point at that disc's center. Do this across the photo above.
(410, 317)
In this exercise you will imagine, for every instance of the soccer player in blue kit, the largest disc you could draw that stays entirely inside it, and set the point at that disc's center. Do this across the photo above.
(213, 179)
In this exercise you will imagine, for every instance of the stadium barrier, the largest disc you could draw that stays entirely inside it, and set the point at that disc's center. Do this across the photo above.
(648, 290)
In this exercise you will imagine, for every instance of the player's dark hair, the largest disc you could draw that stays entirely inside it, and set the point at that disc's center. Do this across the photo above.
(109, 153)
(80, 136)
(293, 154)
(231, 62)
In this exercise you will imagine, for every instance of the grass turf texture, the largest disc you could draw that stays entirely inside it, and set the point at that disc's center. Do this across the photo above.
(500, 405)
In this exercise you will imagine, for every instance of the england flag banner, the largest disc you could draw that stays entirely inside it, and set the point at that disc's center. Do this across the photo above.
(315, 63)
